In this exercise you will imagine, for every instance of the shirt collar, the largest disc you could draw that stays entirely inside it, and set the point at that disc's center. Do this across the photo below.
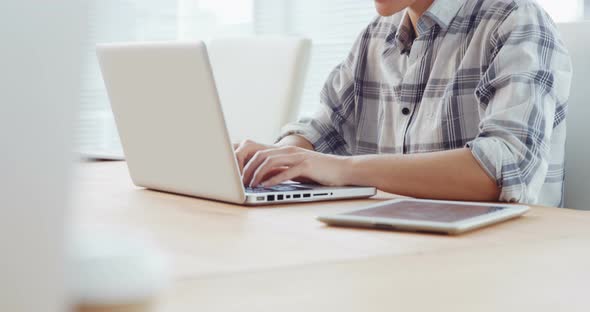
(441, 13)
(405, 34)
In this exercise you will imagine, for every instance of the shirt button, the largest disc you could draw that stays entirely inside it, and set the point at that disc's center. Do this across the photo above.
(405, 111)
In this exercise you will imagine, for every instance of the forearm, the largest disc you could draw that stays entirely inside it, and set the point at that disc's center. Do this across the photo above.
(296, 140)
(451, 175)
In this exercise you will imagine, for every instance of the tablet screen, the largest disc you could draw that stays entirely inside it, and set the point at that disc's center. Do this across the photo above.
(426, 211)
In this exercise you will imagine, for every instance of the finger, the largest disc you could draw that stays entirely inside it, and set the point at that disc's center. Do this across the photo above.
(252, 152)
(235, 146)
(274, 172)
(273, 162)
(239, 152)
(286, 175)
(303, 180)
(259, 157)
(244, 152)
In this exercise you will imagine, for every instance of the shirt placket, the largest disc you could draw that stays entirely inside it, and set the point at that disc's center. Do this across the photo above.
(408, 96)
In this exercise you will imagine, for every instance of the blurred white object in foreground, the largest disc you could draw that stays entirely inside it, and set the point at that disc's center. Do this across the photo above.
(113, 268)
(40, 51)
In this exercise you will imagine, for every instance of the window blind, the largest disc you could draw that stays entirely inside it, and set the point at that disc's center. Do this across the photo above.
(115, 21)
(145, 20)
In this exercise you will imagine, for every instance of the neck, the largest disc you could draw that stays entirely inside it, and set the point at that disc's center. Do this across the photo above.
(416, 10)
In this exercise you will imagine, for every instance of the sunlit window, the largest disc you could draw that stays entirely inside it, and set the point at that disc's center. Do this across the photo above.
(205, 19)
(564, 10)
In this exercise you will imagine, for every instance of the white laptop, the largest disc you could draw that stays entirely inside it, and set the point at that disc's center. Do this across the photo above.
(173, 131)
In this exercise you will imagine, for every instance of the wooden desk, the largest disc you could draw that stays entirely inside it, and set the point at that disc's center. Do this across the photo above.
(233, 258)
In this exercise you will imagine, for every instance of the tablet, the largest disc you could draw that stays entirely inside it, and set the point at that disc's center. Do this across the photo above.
(449, 217)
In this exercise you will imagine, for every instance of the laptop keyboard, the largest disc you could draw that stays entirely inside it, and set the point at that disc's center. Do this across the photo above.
(277, 188)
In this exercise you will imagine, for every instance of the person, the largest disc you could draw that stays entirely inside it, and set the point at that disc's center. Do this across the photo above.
(444, 99)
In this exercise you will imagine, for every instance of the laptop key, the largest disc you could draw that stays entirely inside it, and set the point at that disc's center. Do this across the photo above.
(283, 188)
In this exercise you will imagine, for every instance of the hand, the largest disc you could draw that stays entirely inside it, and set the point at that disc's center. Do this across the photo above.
(245, 151)
(272, 165)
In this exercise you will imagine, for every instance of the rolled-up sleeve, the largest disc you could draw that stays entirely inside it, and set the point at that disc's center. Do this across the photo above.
(522, 91)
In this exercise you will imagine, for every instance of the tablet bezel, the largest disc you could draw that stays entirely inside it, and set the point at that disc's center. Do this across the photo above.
(344, 219)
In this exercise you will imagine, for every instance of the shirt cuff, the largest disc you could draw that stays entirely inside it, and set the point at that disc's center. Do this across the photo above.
(324, 138)
(499, 163)
(305, 131)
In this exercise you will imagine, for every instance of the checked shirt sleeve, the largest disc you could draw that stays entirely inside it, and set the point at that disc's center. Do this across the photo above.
(331, 128)
(524, 91)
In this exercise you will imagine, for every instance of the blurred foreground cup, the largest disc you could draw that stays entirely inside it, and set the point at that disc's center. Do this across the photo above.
(116, 271)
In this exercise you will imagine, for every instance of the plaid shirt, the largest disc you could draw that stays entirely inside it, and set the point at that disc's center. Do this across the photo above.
(489, 75)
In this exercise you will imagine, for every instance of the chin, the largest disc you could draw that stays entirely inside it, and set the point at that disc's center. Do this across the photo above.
(390, 7)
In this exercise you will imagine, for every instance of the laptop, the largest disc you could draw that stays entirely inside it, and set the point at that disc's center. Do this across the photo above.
(173, 131)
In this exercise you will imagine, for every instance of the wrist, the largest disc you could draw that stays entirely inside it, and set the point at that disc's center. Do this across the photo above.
(346, 170)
